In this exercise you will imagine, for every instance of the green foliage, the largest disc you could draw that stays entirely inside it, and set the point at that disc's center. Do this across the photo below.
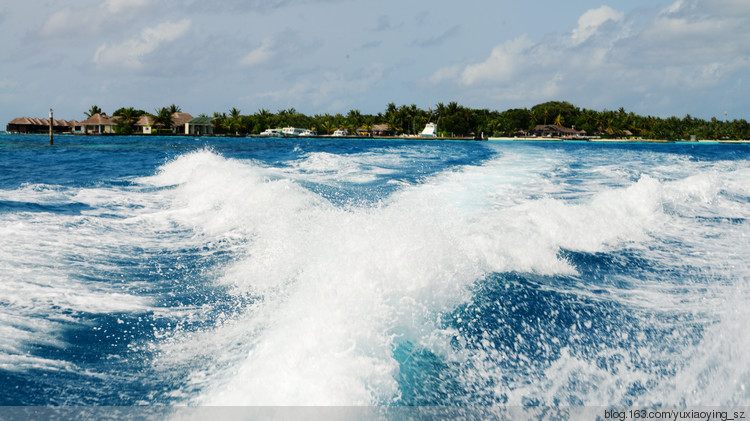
(548, 112)
(129, 112)
(126, 119)
(456, 120)
(93, 110)
(163, 119)
(512, 121)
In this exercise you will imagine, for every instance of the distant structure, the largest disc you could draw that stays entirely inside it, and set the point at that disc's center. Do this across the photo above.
(382, 130)
(29, 125)
(102, 124)
(200, 126)
(552, 130)
(99, 124)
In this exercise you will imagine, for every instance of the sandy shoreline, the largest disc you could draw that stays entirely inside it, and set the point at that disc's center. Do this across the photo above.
(412, 137)
(617, 140)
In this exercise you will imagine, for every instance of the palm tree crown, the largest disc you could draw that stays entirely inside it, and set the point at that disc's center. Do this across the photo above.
(93, 110)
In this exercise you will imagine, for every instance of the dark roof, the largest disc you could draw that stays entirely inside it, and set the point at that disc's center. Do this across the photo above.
(179, 119)
(98, 119)
(201, 120)
(145, 120)
(556, 129)
(28, 121)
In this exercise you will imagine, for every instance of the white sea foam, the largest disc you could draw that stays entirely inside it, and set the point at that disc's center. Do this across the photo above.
(336, 287)
(57, 266)
(677, 223)
(332, 290)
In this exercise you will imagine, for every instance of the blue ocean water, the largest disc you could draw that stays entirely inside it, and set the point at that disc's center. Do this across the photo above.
(224, 271)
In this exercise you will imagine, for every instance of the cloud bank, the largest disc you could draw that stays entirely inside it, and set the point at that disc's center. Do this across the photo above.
(660, 57)
(686, 47)
(134, 53)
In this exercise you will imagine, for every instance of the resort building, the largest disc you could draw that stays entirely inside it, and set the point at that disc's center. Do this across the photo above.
(28, 125)
(179, 123)
(182, 123)
(145, 124)
(382, 130)
(99, 124)
(200, 126)
(551, 130)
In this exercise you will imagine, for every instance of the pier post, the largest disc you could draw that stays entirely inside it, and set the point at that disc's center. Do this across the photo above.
(50, 126)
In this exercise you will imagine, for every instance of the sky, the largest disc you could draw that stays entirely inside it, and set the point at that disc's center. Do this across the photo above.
(651, 57)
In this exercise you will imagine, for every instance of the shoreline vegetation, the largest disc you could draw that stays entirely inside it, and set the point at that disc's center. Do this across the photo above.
(554, 120)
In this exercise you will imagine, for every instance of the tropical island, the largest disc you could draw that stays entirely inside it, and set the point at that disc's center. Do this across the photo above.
(554, 120)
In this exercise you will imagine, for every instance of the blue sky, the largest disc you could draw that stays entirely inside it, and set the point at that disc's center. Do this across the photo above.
(653, 57)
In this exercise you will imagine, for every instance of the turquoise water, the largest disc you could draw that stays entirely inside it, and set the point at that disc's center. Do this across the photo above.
(150, 270)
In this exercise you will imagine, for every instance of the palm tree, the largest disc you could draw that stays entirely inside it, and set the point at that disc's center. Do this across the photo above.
(391, 109)
(163, 117)
(174, 109)
(559, 120)
(395, 122)
(127, 119)
(127, 114)
(93, 110)
(440, 109)
(354, 119)
(545, 115)
(327, 127)
(234, 123)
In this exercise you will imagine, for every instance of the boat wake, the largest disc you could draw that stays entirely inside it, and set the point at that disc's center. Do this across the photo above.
(533, 276)
(476, 286)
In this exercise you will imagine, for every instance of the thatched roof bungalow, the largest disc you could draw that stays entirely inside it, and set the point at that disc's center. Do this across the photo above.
(382, 130)
(40, 125)
(99, 124)
(179, 120)
(552, 130)
(145, 124)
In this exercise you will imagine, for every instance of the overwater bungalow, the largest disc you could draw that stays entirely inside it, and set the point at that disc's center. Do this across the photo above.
(29, 125)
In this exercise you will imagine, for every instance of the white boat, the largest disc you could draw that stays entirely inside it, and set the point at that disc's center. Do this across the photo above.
(309, 132)
(339, 133)
(292, 131)
(430, 130)
(271, 133)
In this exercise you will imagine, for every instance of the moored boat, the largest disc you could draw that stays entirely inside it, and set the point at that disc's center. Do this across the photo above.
(271, 133)
(430, 130)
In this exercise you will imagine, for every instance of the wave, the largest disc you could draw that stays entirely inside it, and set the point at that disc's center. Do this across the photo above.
(339, 292)
(523, 279)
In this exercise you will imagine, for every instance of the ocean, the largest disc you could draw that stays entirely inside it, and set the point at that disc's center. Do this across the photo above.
(237, 271)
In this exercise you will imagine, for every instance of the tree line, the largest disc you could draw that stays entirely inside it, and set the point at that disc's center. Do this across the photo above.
(127, 118)
(456, 120)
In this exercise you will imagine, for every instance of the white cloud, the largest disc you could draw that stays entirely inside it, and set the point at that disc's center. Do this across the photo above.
(688, 47)
(673, 8)
(286, 50)
(333, 89)
(120, 6)
(130, 54)
(444, 74)
(72, 23)
(590, 21)
(501, 64)
(261, 55)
